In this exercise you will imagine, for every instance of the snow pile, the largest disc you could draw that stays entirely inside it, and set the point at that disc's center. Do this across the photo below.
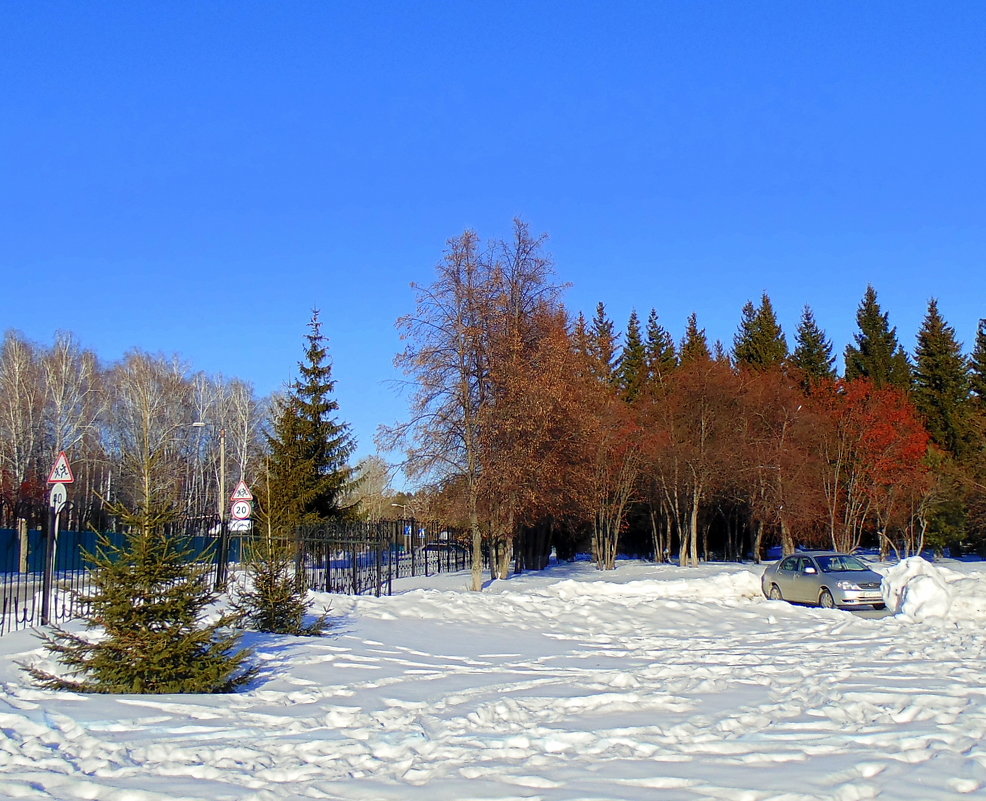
(733, 586)
(920, 591)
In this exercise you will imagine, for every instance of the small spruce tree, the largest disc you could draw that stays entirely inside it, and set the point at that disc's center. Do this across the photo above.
(147, 610)
(275, 600)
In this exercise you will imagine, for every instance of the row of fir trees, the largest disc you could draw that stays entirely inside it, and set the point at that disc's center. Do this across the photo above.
(540, 430)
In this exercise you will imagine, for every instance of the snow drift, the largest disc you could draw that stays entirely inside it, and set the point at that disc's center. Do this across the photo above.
(918, 590)
(647, 682)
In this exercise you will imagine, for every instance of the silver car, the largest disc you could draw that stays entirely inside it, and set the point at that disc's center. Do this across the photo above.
(825, 578)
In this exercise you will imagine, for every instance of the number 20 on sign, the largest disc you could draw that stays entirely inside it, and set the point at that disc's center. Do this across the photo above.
(241, 510)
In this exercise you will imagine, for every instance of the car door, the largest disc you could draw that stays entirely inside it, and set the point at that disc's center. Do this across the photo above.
(785, 577)
(807, 580)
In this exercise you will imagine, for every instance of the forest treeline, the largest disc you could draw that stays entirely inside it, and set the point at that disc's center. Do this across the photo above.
(542, 429)
(144, 427)
(148, 433)
(533, 428)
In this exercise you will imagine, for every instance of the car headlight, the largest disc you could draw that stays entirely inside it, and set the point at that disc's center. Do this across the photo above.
(848, 585)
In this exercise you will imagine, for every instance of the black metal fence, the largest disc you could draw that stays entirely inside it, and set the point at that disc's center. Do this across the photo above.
(41, 585)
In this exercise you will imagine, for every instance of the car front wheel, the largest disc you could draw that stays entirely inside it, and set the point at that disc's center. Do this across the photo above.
(775, 593)
(826, 600)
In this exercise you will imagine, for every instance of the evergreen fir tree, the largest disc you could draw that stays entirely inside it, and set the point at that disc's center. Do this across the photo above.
(631, 369)
(694, 345)
(276, 599)
(877, 354)
(941, 382)
(148, 601)
(603, 341)
(308, 470)
(744, 336)
(659, 351)
(977, 363)
(580, 336)
(760, 342)
(813, 353)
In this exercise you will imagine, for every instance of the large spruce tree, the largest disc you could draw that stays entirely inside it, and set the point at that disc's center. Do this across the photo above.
(659, 351)
(694, 344)
(977, 363)
(760, 343)
(941, 382)
(147, 610)
(603, 342)
(631, 369)
(877, 354)
(813, 352)
(308, 470)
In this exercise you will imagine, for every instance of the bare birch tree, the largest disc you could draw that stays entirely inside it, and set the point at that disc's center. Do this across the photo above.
(151, 407)
(21, 410)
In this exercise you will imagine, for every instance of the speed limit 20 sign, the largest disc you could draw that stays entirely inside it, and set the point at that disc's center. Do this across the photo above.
(241, 510)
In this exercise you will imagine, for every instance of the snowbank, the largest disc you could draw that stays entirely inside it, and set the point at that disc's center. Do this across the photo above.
(647, 682)
(920, 591)
(735, 586)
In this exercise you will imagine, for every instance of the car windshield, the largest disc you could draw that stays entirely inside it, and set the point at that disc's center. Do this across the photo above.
(840, 564)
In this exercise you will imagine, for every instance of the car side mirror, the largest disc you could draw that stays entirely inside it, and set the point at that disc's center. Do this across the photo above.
(810, 571)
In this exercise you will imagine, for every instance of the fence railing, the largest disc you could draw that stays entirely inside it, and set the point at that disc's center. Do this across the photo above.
(351, 558)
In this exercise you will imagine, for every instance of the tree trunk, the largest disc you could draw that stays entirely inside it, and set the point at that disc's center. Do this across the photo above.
(693, 531)
(477, 544)
(787, 541)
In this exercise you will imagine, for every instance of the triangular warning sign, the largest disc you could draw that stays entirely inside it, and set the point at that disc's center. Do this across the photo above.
(61, 473)
(241, 493)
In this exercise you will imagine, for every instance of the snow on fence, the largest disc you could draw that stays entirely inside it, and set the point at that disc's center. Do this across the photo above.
(351, 558)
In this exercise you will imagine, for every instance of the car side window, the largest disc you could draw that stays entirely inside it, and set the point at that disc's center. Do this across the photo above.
(806, 563)
(790, 564)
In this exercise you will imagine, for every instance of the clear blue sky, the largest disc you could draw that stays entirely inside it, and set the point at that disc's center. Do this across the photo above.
(193, 177)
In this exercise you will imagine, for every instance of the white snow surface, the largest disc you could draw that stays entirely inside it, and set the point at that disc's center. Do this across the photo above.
(647, 682)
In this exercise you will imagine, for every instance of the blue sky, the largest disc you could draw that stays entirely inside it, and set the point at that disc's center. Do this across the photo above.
(193, 178)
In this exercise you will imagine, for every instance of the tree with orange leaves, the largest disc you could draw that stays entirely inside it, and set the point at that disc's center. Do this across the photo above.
(873, 458)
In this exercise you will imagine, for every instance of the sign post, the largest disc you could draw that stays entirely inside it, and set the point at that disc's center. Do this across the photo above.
(60, 475)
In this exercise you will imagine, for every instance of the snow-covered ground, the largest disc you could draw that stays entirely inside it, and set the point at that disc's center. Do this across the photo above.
(644, 683)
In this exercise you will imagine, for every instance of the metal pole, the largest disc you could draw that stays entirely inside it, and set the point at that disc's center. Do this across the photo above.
(49, 567)
(223, 555)
(222, 474)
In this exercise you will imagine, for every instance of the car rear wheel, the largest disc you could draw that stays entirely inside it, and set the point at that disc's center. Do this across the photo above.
(826, 600)
(879, 606)
(775, 593)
